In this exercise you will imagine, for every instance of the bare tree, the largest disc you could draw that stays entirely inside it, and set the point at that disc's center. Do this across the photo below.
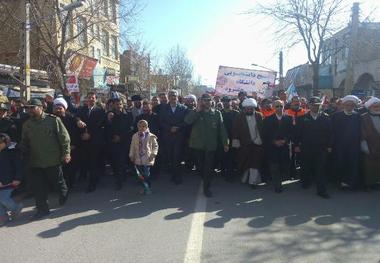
(139, 54)
(55, 34)
(308, 22)
(179, 67)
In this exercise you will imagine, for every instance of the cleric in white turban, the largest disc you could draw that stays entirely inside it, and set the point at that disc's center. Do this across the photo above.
(60, 102)
(346, 143)
(372, 101)
(370, 127)
(247, 135)
(249, 102)
(351, 98)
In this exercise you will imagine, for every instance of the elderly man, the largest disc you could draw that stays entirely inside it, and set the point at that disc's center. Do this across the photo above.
(208, 132)
(248, 138)
(277, 134)
(346, 149)
(172, 122)
(60, 110)
(46, 144)
(313, 142)
(370, 127)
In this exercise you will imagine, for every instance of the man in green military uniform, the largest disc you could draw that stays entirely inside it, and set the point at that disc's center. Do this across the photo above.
(207, 133)
(7, 125)
(46, 144)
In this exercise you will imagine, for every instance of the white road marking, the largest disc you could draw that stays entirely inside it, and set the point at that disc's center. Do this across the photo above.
(195, 241)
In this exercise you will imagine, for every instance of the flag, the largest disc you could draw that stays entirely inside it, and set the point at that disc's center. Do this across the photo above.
(291, 92)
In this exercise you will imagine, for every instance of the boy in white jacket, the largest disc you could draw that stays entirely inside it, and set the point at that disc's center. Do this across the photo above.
(143, 151)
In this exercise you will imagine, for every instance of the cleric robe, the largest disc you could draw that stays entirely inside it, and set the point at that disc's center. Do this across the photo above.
(370, 127)
(248, 133)
(346, 147)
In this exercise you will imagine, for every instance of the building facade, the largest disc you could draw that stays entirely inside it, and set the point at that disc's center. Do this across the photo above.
(90, 33)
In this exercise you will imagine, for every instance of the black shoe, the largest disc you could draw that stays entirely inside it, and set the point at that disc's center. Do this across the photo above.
(305, 185)
(63, 198)
(253, 186)
(90, 189)
(207, 193)
(39, 215)
(324, 195)
(278, 190)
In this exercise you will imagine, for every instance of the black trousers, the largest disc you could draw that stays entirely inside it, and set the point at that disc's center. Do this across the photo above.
(92, 162)
(205, 166)
(174, 151)
(41, 179)
(279, 165)
(117, 154)
(228, 163)
(313, 163)
(70, 169)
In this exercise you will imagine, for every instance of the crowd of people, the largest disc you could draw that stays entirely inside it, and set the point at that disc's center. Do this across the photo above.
(51, 143)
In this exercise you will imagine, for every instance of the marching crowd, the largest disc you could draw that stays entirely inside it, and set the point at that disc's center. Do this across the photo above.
(51, 143)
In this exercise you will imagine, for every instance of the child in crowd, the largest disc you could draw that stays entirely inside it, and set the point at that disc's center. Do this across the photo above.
(143, 151)
(10, 177)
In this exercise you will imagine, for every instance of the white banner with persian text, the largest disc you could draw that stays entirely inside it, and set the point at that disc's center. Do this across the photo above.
(230, 81)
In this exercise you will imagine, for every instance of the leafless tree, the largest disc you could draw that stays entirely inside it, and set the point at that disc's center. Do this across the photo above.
(179, 67)
(308, 22)
(54, 32)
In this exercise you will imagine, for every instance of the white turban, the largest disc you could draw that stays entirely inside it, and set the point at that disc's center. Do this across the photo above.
(60, 101)
(352, 98)
(249, 103)
(371, 101)
(191, 97)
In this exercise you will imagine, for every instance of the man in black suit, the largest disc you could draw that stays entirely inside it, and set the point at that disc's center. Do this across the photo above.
(118, 138)
(173, 129)
(277, 133)
(91, 121)
(313, 140)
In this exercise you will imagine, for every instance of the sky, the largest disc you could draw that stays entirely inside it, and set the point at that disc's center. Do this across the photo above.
(218, 32)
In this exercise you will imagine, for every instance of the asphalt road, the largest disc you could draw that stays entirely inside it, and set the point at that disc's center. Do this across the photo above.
(177, 224)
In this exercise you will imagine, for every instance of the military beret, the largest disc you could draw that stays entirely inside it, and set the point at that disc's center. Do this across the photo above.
(33, 103)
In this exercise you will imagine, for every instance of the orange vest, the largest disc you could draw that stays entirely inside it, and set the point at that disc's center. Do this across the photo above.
(267, 113)
(294, 114)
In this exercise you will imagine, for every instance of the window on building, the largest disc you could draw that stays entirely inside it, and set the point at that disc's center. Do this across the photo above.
(93, 52)
(98, 55)
(105, 43)
(105, 8)
(97, 32)
(113, 47)
(69, 28)
(82, 31)
(113, 11)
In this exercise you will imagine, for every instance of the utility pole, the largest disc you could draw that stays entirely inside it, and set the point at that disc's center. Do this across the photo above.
(352, 48)
(281, 69)
(25, 94)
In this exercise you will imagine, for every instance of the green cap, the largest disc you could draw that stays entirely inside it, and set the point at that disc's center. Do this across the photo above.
(33, 103)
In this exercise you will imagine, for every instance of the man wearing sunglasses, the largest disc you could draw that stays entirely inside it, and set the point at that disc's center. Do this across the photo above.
(277, 133)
